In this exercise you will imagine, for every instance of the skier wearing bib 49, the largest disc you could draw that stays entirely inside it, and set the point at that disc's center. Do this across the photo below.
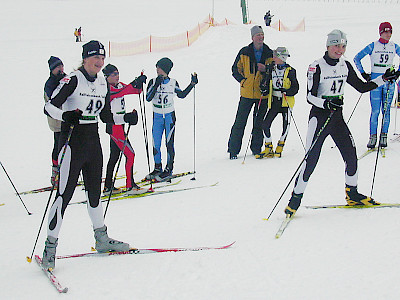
(382, 53)
(80, 99)
(161, 91)
(117, 132)
(326, 80)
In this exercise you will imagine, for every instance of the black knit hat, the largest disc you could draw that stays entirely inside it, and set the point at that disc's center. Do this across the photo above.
(109, 69)
(54, 62)
(93, 48)
(165, 64)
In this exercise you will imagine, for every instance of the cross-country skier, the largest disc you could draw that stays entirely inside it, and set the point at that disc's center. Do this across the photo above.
(281, 85)
(161, 91)
(382, 53)
(117, 131)
(56, 67)
(326, 80)
(79, 101)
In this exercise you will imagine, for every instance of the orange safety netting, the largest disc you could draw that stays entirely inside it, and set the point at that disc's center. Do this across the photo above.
(278, 25)
(154, 43)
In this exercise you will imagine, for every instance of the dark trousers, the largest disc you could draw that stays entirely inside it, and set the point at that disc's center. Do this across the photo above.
(54, 153)
(242, 114)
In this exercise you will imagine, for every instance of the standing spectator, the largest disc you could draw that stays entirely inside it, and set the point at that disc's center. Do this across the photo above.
(281, 85)
(249, 65)
(268, 18)
(80, 34)
(382, 53)
(80, 99)
(76, 34)
(161, 91)
(326, 81)
(56, 67)
(118, 139)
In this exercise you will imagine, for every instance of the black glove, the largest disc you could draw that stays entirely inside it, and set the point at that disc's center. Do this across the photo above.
(390, 75)
(159, 80)
(195, 80)
(334, 103)
(264, 85)
(72, 117)
(366, 76)
(131, 118)
(139, 81)
(269, 68)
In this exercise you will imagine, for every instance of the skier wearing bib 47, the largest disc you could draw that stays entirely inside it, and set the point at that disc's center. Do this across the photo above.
(80, 99)
(161, 91)
(382, 53)
(326, 80)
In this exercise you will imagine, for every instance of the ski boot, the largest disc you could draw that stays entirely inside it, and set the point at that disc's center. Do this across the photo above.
(135, 190)
(383, 140)
(157, 171)
(232, 156)
(293, 204)
(114, 190)
(279, 149)
(106, 244)
(165, 175)
(268, 151)
(372, 141)
(49, 253)
(353, 197)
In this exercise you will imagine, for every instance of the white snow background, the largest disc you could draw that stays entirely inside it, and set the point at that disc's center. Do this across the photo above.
(323, 254)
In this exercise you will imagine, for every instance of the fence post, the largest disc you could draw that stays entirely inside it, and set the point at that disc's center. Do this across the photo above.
(150, 42)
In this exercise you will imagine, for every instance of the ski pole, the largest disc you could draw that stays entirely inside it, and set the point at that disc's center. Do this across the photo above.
(145, 130)
(194, 133)
(294, 121)
(251, 134)
(116, 171)
(301, 163)
(29, 213)
(380, 136)
(71, 128)
(355, 106)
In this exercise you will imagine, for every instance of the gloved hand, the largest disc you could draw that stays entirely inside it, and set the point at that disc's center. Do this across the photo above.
(131, 118)
(264, 85)
(269, 68)
(366, 76)
(72, 117)
(139, 81)
(391, 75)
(334, 103)
(159, 80)
(195, 80)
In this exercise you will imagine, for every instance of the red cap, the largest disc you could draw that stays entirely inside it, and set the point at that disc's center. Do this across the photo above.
(385, 26)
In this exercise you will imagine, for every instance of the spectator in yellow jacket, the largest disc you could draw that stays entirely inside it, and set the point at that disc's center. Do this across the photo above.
(249, 65)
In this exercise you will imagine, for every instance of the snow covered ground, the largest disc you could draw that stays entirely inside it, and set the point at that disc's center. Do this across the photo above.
(324, 254)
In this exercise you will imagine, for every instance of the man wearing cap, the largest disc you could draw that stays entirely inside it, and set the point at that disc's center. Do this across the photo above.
(280, 85)
(249, 65)
(382, 53)
(56, 67)
(326, 80)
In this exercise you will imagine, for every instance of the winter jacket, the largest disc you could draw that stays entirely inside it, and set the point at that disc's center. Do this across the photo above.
(244, 70)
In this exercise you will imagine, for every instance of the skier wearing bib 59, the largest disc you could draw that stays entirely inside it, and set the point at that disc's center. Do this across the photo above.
(326, 80)
(80, 99)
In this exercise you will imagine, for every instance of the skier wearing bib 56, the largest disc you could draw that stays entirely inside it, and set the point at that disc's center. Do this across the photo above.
(326, 80)
(80, 99)
(161, 91)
